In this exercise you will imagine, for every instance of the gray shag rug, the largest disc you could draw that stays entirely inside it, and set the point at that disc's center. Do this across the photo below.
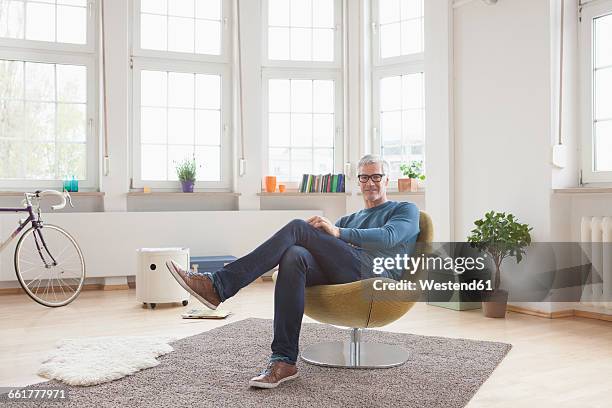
(212, 369)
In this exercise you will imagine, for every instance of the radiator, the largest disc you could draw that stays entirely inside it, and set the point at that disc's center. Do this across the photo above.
(597, 232)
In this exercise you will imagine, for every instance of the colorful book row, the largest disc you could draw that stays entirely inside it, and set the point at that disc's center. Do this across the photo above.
(322, 183)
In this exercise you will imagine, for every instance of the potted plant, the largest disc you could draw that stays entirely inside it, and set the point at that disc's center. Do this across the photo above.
(413, 172)
(186, 172)
(501, 236)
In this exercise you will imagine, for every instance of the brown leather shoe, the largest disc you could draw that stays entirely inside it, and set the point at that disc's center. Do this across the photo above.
(199, 286)
(277, 372)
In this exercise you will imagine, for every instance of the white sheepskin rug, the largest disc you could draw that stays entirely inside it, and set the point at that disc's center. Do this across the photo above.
(95, 360)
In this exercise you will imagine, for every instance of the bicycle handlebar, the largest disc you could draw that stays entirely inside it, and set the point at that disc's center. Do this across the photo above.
(64, 197)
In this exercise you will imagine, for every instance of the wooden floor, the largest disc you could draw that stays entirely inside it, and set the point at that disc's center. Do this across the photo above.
(554, 363)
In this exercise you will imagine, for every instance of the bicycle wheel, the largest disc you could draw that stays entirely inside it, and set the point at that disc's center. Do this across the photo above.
(49, 265)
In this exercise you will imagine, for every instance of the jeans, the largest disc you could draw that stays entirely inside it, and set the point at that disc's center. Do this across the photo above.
(305, 256)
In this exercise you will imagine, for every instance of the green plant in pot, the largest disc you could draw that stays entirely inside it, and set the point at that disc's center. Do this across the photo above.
(501, 236)
(413, 172)
(186, 172)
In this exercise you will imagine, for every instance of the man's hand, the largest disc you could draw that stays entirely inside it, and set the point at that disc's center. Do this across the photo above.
(325, 225)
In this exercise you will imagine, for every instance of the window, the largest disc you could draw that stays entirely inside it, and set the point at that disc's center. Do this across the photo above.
(398, 91)
(596, 32)
(302, 88)
(181, 99)
(397, 29)
(47, 93)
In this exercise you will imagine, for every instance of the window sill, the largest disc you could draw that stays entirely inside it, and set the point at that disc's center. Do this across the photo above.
(583, 190)
(298, 194)
(181, 194)
(75, 194)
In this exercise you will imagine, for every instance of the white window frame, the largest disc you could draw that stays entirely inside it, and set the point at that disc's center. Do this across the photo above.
(72, 54)
(226, 144)
(590, 11)
(336, 76)
(226, 40)
(338, 53)
(88, 47)
(382, 68)
(377, 61)
(187, 63)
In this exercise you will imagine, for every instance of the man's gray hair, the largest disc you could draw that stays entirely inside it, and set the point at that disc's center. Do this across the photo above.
(374, 159)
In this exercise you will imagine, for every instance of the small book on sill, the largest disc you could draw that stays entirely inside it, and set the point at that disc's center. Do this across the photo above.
(206, 314)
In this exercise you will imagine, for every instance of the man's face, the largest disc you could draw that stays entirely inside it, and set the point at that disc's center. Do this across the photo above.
(371, 190)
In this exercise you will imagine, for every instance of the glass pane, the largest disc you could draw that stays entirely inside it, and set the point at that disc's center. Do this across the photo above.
(603, 41)
(153, 88)
(324, 45)
(82, 3)
(208, 9)
(278, 95)
(72, 160)
(603, 94)
(279, 163)
(323, 130)
(40, 162)
(72, 24)
(278, 43)
(72, 122)
(208, 91)
(323, 94)
(11, 79)
(181, 126)
(323, 13)
(40, 121)
(301, 13)
(153, 162)
(412, 125)
(208, 127)
(153, 125)
(183, 8)
(208, 37)
(177, 154)
(301, 130)
(153, 32)
(40, 23)
(71, 83)
(11, 119)
(40, 81)
(11, 19)
(209, 158)
(412, 91)
(154, 6)
(390, 40)
(391, 127)
(12, 154)
(391, 93)
(279, 129)
(301, 44)
(180, 90)
(411, 9)
(323, 161)
(180, 34)
(301, 163)
(603, 146)
(388, 11)
(301, 95)
(411, 40)
(278, 13)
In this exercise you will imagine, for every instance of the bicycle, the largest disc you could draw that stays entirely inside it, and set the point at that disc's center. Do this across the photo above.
(48, 261)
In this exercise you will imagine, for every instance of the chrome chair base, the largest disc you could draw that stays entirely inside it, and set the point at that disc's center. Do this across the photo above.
(355, 354)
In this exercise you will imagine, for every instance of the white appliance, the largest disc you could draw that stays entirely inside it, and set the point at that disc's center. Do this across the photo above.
(154, 283)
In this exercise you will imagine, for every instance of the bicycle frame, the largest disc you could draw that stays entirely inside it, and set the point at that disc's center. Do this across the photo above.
(37, 224)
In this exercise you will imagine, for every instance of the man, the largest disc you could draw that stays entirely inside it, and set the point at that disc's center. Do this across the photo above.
(313, 252)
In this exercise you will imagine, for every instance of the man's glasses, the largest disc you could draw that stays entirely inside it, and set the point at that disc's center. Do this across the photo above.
(363, 178)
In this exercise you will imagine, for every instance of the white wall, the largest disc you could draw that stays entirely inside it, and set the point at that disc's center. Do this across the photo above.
(502, 113)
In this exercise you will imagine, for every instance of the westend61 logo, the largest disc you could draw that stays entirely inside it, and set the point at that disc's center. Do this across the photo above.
(408, 263)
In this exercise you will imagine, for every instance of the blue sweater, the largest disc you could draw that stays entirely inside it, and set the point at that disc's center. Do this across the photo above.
(382, 231)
